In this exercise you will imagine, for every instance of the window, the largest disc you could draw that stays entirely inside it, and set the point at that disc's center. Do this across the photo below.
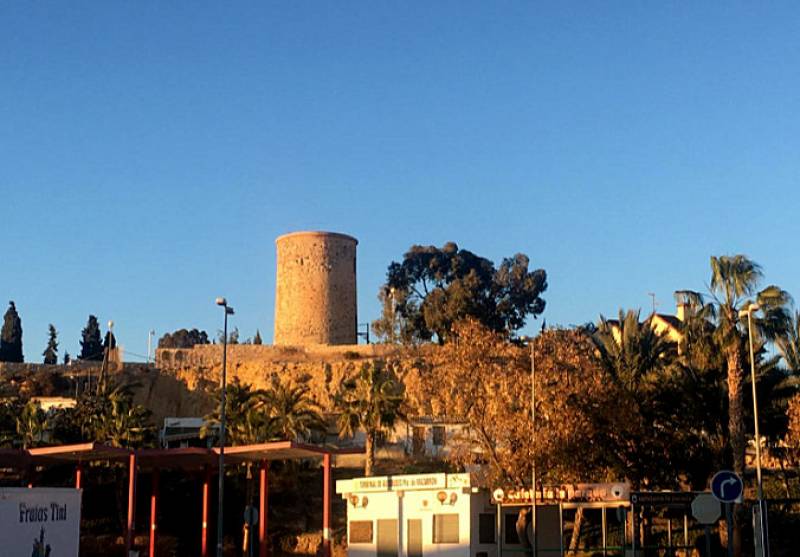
(438, 436)
(445, 528)
(511, 536)
(418, 440)
(360, 531)
(486, 528)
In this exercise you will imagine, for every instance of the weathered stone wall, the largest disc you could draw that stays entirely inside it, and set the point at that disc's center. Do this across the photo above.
(320, 368)
(315, 290)
(184, 381)
(162, 393)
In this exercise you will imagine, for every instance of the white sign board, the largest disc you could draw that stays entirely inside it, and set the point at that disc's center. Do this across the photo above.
(706, 508)
(412, 482)
(40, 522)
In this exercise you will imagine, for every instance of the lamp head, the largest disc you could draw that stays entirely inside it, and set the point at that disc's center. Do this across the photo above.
(110, 324)
(222, 301)
(753, 307)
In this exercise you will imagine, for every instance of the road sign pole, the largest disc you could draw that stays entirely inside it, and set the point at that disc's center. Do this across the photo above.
(729, 523)
(707, 529)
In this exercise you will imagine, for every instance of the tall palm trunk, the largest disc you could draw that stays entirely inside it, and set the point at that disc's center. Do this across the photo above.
(736, 407)
(369, 447)
(736, 431)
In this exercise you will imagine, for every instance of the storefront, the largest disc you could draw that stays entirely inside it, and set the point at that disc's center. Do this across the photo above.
(445, 515)
(429, 515)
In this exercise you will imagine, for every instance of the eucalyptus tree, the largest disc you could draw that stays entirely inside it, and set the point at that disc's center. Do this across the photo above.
(433, 288)
(371, 400)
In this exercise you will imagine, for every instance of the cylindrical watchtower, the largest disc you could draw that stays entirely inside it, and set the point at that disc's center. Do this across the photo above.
(315, 291)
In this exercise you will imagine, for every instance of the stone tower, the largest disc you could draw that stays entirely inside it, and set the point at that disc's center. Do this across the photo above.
(315, 291)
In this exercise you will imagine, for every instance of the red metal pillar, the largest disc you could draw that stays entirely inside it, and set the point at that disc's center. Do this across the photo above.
(204, 531)
(131, 503)
(263, 508)
(78, 476)
(153, 513)
(326, 505)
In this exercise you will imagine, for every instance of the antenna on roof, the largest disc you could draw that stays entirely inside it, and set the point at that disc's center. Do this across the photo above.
(653, 296)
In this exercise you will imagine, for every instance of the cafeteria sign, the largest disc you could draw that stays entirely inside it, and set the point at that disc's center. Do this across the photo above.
(564, 493)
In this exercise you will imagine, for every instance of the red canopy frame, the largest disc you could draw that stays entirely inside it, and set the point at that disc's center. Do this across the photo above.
(190, 459)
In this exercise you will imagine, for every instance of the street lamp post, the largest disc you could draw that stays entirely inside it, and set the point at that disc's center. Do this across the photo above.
(533, 442)
(228, 311)
(748, 312)
(149, 344)
(106, 356)
(533, 452)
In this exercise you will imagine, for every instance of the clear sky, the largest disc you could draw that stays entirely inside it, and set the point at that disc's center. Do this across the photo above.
(151, 152)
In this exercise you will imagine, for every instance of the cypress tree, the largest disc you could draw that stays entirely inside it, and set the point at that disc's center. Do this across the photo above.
(91, 345)
(257, 339)
(11, 336)
(110, 338)
(51, 352)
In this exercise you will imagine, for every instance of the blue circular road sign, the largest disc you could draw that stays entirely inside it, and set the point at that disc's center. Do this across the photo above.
(727, 486)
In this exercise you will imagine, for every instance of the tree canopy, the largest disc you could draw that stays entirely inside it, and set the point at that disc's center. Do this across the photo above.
(432, 288)
(11, 336)
(282, 412)
(183, 338)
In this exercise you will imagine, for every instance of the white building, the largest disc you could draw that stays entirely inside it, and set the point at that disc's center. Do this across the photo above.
(439, 515)
(445, 515)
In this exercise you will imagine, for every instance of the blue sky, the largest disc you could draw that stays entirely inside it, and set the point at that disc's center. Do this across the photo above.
(150, 153)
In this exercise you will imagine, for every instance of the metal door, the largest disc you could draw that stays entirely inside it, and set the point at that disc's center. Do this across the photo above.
(387, 538)
(415, 537)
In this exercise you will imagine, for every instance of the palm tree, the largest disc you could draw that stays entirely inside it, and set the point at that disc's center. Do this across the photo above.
(248, 416)
(31, 425)
(702, 365)
(10, 410)
(635, 361)
(260, 415)
(734, 283)
(111, 416)
(734, 286)
(294, 414)
(630, 351)
(789, 345)
(370, 400)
